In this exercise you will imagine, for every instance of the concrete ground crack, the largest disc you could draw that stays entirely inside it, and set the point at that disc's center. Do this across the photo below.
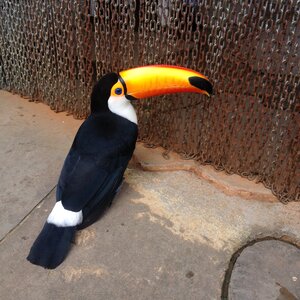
(26, 216)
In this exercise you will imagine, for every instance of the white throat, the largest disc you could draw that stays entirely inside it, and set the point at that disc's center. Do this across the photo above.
(122, 107)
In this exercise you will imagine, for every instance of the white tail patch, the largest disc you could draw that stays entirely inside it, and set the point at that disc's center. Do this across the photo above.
(62, 217)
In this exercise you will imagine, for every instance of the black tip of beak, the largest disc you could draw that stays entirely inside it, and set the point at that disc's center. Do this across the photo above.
(201, 84)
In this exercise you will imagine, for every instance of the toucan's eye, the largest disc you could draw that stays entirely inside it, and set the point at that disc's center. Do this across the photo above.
(118, 91)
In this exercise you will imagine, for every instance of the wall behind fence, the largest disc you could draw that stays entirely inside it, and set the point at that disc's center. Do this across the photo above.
(53, 51)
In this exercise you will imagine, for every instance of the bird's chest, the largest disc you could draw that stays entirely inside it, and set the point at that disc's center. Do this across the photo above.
(106, 136)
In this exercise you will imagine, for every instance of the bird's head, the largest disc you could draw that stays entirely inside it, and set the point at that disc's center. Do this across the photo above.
(113, 91)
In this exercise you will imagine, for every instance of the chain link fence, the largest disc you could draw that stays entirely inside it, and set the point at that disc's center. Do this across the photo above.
(53, 51)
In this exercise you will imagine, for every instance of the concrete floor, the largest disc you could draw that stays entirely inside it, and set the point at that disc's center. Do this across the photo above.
(168, 235)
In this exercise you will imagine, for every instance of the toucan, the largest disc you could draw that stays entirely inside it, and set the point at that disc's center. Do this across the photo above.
(93, 170)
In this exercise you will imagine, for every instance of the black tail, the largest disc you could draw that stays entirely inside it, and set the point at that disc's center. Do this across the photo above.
(51, 246)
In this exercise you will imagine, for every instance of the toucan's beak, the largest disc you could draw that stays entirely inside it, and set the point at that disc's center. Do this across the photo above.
(148, 81)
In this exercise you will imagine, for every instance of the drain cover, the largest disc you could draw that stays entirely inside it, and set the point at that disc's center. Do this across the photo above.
(266, 270)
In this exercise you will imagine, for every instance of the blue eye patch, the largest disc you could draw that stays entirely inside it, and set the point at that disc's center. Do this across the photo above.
(118, 91)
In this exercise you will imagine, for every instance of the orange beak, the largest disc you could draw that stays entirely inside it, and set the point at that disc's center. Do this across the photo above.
(148, 81)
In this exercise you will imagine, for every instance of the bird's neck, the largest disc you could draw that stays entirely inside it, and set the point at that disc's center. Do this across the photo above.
(123, 108)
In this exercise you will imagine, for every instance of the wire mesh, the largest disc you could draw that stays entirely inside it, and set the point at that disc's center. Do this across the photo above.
(53, 51)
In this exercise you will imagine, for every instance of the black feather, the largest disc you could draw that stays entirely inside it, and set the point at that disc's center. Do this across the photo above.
(101, 92)
(51, 246)
(97, 160)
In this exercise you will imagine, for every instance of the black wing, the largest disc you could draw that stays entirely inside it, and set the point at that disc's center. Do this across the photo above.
(81, 178)
(94, 167)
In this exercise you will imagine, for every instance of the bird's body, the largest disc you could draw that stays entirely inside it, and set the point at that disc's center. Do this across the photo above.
(91, 175)
(94, 167)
